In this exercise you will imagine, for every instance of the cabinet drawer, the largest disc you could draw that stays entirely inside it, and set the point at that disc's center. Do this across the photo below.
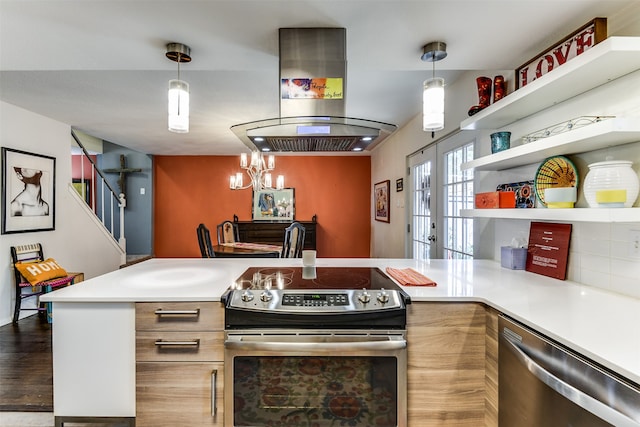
(179, 316)
(179, 394)
(179, 346)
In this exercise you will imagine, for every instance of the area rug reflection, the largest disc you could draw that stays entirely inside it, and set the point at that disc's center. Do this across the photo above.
(315, 391)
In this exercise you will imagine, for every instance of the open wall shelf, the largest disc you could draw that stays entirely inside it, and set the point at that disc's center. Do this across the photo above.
(608, 60)
(576, 214)
(607, 133)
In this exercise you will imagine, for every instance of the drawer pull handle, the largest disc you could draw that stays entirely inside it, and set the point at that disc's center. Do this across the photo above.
(162, 343)
(161, 312)
(214, 408)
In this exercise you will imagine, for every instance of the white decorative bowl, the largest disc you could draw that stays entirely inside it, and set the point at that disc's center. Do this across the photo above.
(560, 197)
(611, 175)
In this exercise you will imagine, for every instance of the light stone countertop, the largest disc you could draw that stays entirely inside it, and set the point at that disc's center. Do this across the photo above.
(601, 325)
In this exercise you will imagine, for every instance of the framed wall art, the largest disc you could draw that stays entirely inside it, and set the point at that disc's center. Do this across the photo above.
(381, 200)
(83, 187)
(274, 205)
(28, 191)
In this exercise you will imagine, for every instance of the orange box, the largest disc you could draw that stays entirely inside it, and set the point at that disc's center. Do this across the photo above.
(496, 199)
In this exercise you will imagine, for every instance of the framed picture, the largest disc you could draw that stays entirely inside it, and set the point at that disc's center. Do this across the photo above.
(83, 187)
(399, 184)
(274, 205)
(28, 191)
(381, 200)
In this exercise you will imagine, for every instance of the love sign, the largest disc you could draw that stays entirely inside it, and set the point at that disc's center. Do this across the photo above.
(575, 44)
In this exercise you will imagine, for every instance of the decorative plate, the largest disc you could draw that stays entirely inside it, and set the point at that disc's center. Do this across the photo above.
(557, 171)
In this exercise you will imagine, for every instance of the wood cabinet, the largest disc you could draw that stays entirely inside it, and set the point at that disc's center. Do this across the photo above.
(179, 364)
(272, 232)
(452, 376)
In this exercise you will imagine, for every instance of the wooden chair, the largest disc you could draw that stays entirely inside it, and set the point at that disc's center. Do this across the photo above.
(33, 253)
(204, 241)
(227, 232)
(293, 241)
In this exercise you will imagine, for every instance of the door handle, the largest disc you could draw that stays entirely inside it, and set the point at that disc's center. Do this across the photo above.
(567, 390)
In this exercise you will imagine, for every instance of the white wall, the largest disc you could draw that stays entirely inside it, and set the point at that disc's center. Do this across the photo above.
(76, 243)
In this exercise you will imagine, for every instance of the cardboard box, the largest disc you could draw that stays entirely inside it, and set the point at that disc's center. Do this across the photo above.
(496, 199)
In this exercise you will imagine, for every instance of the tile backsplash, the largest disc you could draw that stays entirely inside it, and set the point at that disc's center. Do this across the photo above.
(603, 255)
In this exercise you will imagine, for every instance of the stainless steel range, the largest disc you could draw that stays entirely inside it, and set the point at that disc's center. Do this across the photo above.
(315, 346)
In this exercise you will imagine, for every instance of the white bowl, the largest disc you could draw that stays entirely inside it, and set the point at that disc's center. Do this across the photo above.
(560, 197)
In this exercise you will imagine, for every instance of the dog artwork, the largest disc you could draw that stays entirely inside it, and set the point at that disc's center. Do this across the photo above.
(29, 201)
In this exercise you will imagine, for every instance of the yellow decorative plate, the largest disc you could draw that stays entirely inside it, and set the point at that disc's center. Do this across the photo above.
(555, 172)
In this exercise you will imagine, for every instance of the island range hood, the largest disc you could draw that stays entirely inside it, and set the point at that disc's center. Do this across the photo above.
(313, 85)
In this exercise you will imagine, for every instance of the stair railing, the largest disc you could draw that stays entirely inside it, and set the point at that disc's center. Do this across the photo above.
(109, 201)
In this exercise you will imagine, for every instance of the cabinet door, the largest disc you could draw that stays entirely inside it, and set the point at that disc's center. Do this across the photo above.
(170, 394)
(446, 364)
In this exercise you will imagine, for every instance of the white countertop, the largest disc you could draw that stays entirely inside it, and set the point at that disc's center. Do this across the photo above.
(601, 325)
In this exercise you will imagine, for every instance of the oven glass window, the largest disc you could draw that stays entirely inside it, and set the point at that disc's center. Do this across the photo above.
(315, 391)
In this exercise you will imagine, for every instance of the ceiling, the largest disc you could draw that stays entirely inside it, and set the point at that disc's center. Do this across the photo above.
(100, 65)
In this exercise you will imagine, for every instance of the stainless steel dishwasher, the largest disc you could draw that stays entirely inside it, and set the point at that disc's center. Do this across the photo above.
(543, 384)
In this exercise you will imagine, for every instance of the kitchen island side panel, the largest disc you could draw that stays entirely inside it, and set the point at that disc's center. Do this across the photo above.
(94, 359)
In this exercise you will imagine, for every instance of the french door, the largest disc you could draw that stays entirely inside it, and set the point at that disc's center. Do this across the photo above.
(423, 228)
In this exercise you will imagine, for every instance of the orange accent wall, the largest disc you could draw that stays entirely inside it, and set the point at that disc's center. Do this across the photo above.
(189, 190)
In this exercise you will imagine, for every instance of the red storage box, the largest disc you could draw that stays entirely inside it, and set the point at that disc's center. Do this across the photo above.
(496, 199)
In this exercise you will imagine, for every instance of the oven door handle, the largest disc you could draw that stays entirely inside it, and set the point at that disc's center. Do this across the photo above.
(260, 344)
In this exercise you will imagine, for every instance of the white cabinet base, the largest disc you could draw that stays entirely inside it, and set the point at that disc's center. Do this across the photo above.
(94, 360)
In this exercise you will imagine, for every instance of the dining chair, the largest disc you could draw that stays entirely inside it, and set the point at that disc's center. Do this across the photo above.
(31, 255)
(227, 232)
(204, 241)
(293, 241)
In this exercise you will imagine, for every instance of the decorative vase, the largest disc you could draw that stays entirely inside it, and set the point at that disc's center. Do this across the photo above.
(500, 141)
(611, 175)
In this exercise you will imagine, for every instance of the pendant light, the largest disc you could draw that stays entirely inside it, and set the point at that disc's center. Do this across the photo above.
(433, 89)
(178, 90)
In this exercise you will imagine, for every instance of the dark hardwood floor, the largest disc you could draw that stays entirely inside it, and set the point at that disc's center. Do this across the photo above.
(26, 366)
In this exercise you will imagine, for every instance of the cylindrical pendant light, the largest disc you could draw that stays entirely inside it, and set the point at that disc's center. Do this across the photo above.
(178, 106)
(433, 104)
(178, 110)
(433, 89)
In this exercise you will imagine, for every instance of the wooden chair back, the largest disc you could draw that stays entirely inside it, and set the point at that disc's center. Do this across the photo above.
(204, 242)
(227, 232)
(293, 241)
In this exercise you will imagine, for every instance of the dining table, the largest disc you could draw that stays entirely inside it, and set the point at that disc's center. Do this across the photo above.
(247, 250)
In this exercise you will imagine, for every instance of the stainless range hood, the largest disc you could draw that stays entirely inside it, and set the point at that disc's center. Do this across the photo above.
(310, 124)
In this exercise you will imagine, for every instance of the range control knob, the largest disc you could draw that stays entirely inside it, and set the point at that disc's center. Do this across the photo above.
(246, 296)
(383, 296)
(266, 296)
(364, 297)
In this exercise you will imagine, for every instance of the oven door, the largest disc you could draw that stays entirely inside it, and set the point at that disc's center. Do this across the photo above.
(315, 378)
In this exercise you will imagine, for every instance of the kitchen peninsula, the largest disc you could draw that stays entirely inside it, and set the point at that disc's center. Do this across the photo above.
(94, 328)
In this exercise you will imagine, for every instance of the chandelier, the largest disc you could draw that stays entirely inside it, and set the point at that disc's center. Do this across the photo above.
(259, 171)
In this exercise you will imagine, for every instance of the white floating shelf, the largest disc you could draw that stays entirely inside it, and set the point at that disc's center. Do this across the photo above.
(576, 214)
(608, 60)
(607, 133)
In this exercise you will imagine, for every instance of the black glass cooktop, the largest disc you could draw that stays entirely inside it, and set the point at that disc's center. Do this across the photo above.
(315, 278)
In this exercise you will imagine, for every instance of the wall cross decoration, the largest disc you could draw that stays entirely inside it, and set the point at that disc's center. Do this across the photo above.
(123, 171)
